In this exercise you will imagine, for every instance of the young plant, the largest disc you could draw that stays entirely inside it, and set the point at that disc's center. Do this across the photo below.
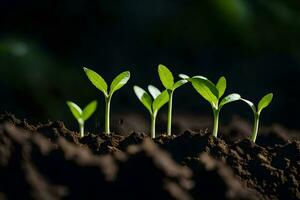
(167, 80)
(100, 83)
(82, 115)
(263, 103)
(213, 93)
(152, 105)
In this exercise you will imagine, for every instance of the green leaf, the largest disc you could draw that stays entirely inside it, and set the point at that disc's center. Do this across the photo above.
(161, 100)
(203, 77)
(264, 102)
(75, 109)
(119, 82)
(97, 80)
(250, 104)
(179, 83)
(221, 86)
(89, 110)
(206, 89)
(229, 98)
(144, 97)
(183, 76)
(166, 76)
(153, 91)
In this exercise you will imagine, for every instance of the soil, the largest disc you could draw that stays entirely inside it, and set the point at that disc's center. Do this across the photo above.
(48, 161)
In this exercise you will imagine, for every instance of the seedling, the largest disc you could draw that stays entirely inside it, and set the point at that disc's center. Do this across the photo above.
(152, 105)
(100, 83)
(213, 93)
(167, 80)
(82, 115)
(263, 103)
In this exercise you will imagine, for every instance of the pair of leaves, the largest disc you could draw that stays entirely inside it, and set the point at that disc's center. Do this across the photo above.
(211, 92)
(82, 115)
(159, 98)
(263, 103)
(100, 83)
(167, 78)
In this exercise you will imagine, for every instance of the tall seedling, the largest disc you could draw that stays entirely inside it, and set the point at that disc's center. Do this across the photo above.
(100, 83)
(213, 93)
(263, 103)
(152, 105)
(167, 80)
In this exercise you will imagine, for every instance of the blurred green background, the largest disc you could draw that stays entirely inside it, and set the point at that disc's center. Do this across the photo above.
(45, 44)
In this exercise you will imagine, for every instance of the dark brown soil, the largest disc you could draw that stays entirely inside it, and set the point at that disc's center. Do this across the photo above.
(48, 161)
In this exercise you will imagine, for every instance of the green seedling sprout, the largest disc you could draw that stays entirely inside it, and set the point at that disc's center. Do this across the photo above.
(82, 115)
(152, 105)
(213, 93)
(100, 83)
(263, 103)
(167, 80)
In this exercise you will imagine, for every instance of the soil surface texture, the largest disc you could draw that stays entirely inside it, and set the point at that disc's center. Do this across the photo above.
(48, 161)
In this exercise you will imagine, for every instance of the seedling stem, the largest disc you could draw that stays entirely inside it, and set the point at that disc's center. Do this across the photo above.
(169, 129)
(216, 122)
(107, 114)
(153, 122)
(81, 128)
(255, 127)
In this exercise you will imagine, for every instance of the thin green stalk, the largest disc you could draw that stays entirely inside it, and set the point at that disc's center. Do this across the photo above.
(107, 115)
(255, 127)
(153, 120)
(216, 122)
(81, 127)
(169, 129)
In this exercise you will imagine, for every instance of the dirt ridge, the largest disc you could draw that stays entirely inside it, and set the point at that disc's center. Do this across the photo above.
(218, 168)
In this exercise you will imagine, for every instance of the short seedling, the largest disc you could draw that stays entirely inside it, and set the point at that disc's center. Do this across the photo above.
(82, 115)
(263, 103)
(213, 93)
(153, 106)
(167, 80)
(100, 83)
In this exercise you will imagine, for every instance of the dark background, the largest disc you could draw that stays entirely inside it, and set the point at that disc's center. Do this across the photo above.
(45, 44)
